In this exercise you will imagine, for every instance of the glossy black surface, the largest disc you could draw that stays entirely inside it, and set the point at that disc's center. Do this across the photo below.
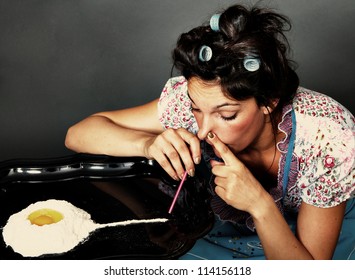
(110, 189)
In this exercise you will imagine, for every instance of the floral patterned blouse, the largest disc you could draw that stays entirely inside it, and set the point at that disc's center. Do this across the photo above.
(322, 169)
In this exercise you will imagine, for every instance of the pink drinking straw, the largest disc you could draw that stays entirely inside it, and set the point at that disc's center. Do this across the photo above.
(177, 193)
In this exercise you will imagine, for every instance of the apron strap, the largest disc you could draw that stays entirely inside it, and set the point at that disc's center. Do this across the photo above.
(290, 149)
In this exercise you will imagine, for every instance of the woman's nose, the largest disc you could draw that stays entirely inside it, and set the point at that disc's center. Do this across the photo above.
(205, 126)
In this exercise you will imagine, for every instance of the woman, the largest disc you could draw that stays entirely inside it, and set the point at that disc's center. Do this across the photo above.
(275, 150)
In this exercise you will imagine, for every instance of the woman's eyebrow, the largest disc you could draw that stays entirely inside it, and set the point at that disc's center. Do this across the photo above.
(227, 104)
(217, 106)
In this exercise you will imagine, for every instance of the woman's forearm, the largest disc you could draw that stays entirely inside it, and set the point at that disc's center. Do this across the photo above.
(277, 239)
(100, 135)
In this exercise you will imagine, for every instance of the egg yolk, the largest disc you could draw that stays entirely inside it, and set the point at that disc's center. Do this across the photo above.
(45, 217)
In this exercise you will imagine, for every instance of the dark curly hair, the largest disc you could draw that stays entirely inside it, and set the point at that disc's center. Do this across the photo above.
(243, 31)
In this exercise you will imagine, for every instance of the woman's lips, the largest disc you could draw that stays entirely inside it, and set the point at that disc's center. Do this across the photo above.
(215, 162)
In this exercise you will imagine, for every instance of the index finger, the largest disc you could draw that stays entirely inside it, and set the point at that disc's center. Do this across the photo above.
(194, 144)
(224, 152)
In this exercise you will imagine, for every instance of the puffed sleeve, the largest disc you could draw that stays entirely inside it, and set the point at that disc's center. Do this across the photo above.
(174, 106)
(326, 148)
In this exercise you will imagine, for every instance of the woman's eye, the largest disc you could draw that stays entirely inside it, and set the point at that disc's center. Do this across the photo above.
(229, 118)
(195, 110)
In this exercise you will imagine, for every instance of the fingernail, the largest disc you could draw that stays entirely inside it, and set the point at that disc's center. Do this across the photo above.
(197, 160)
(210, 135)
(176, 178)
(191, 172)
(182, 176)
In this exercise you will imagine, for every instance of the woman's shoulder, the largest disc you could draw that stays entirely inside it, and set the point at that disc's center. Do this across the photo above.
(322, 119)
(309, 104)
(325, 147)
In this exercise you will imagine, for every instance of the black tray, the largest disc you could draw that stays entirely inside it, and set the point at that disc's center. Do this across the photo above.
(110, 189)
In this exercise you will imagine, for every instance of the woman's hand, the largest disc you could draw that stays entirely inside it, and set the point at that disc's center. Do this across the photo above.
(176, 150)
(235, 184)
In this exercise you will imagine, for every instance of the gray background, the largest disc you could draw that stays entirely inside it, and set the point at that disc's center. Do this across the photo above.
(61, 61)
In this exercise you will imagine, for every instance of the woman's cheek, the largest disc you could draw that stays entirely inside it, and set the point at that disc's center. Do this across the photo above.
(235, 135)
(229, 134)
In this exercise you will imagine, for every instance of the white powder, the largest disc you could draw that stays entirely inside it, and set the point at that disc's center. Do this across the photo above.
(31, 240)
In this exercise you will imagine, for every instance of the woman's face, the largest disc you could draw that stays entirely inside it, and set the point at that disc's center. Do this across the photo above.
(239, 124)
